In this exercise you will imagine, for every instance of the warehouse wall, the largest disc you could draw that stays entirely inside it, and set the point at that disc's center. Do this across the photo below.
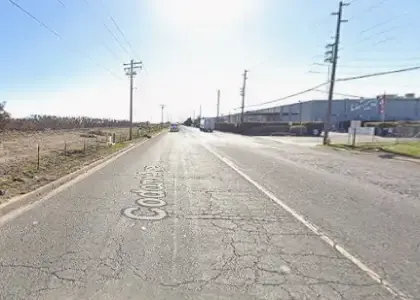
(342, 110)
(349, 109)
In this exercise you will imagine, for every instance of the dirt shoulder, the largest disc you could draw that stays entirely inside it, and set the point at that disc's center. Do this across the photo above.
(60, 153)
(406, 149)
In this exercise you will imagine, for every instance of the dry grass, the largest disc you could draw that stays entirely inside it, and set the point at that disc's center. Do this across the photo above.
(61, 152)
(410, 149)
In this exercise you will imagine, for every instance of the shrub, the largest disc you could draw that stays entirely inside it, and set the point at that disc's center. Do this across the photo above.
(298, 129)
(381, 124)
(312, 126)
(4, 115)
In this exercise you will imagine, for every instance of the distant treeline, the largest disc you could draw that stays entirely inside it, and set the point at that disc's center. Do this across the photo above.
(45, 122)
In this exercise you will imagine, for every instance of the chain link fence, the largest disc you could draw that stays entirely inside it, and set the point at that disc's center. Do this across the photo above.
(377, 136)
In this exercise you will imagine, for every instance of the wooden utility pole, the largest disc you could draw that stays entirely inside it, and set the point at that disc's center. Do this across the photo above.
(162, 107)
(130, 71)
(327, 124)
(218, 104)
(243, 89)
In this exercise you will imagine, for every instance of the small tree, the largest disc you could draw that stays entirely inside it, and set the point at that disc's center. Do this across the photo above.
(196, 122)
(188, 122)
(4, 115)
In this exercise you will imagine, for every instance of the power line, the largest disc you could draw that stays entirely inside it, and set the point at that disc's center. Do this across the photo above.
(61, 3)
(375, 5)
(110, 31)
(378, 25)
(289, 96)
(59, 36)
(378, 74)
(116, 39)
(374, 35)
(315, 88)
(103, 67)
(373, 67)
(110, 51)
(341, 94)
(118, 28)
(36, 19)
(369, 9)
(383, 41)
(375, 59)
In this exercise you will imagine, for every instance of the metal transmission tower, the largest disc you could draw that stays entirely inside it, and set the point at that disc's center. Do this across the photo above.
(130, 72)
(333, 60)
(243, 90)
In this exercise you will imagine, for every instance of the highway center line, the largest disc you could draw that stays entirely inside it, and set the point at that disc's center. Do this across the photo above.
(315, 229)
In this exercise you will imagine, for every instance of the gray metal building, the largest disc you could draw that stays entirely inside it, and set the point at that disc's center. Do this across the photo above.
(394, 108)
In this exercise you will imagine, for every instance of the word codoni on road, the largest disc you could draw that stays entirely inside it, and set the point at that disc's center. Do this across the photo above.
(151, 193)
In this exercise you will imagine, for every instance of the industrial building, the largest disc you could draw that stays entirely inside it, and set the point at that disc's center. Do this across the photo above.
(381, 108)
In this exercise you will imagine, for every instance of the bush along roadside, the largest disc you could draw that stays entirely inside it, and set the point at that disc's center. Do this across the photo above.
(273, 128)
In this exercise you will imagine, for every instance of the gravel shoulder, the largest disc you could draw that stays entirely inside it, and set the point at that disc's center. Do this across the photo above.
(397, 176)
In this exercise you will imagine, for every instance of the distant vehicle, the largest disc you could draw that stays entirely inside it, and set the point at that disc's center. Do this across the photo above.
(207, 124)
(174, 127)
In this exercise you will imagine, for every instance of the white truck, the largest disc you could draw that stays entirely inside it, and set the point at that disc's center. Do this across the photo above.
(207, 124)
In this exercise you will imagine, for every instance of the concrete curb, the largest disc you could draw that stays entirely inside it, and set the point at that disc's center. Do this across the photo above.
(36, 195)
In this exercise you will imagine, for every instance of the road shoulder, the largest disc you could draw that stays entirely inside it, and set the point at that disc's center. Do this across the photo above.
(49, 189)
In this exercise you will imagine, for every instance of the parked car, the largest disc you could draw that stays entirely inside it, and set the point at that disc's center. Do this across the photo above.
(174, 127)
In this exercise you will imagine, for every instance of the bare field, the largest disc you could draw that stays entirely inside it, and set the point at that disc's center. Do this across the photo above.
(60, 152)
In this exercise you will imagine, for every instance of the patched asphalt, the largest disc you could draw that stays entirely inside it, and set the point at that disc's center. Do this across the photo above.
(204, 232)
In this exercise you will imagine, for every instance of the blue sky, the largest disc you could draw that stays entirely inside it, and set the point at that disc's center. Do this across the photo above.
(192, 48)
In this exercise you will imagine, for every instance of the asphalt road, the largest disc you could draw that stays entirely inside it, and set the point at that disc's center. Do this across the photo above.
(172, 220)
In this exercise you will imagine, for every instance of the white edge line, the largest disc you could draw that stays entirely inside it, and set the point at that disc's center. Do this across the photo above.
(315, 229)
(17, 212)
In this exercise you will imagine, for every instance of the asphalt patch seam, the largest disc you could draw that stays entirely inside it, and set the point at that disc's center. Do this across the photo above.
(315, 229)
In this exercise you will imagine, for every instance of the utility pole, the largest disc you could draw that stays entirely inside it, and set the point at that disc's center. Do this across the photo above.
(200, 112)
(382, 106)
(334, 47)
(162, 107)
(218, 104)
(243, 89)
(300, 112)
(130, 71)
